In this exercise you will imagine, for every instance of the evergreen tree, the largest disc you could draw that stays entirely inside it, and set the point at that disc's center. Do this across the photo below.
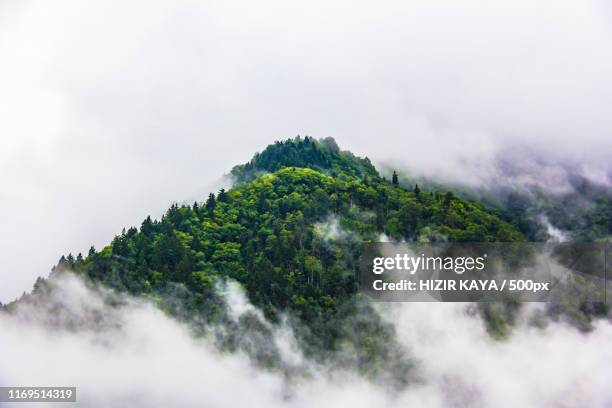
(222, 196)
(211, 203)
(394, 179)
(147, 226)
(70, 260)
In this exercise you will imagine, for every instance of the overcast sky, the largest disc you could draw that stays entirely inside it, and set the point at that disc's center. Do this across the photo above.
(109, 113)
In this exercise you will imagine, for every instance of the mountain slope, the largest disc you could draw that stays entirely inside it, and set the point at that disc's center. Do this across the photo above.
(263, 234)
(269, 234)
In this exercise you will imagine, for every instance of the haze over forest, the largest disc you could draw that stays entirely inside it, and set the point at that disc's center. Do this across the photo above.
(119, 112)
(149, 158)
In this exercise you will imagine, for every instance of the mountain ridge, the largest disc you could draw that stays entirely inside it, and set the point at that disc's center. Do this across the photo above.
(366, 204)
(266, 234)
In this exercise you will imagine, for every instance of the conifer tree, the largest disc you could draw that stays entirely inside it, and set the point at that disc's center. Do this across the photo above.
(222, 196)
(211, 202)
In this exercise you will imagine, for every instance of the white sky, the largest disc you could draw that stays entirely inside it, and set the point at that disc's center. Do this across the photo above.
(110, 111)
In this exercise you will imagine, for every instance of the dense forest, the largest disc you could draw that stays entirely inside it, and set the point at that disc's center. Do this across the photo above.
(580, 211)
(290, 232)
(322, 155)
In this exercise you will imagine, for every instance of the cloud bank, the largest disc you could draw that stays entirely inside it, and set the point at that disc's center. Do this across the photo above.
(111, 113)
(135, 356)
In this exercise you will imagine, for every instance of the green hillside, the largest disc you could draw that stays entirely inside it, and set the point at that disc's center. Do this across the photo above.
(292, 237)
(264, 234)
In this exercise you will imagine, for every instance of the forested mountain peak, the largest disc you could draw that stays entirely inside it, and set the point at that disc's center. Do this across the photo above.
(265, 234)
(323, 155)
(263, 231)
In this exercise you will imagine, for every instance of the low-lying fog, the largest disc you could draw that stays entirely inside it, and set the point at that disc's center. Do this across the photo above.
(135, 356)
(112, 113)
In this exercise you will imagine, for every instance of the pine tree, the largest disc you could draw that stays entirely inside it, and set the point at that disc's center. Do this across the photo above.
(394, 179)
(222, 196)
(417, 190)
(211, 203)
(70, 260)
(147, 226)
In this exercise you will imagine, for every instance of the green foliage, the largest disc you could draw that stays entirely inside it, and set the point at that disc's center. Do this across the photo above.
(266, 234)
(263, 234)
(323, 155)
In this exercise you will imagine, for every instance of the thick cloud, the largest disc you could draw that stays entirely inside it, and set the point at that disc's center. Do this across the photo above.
(111, 112)
(134, 356)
